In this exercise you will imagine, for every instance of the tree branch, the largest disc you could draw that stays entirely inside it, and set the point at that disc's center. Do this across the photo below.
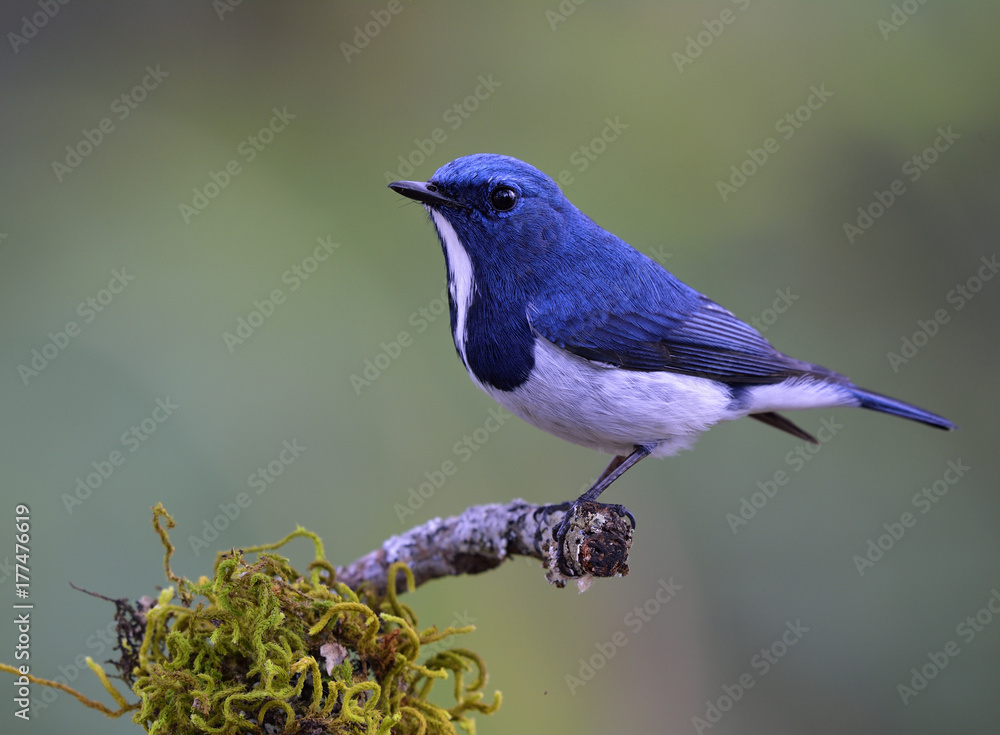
(596, 543)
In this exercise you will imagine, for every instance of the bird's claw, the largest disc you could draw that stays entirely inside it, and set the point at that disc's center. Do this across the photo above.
(560, 531)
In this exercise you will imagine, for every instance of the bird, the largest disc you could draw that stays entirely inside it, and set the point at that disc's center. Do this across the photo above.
(578, 333)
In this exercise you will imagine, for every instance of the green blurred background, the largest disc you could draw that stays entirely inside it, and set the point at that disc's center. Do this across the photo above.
(554, 78)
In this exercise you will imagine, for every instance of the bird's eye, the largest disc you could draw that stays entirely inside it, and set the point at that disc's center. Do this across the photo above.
(503, 198)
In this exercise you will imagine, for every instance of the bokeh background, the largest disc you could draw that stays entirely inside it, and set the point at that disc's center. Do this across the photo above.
(693, 90)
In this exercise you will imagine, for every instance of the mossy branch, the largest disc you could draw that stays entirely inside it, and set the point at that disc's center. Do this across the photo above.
(269, 649)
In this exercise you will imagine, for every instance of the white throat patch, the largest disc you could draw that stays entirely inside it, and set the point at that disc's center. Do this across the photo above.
(461, 280)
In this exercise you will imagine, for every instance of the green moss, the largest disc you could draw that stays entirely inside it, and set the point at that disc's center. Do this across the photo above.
(261, 648)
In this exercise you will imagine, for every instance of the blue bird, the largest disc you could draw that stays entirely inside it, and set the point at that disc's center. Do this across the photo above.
(578, 333)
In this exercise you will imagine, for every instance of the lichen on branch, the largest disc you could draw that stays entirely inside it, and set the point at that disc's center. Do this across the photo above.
(594, 542)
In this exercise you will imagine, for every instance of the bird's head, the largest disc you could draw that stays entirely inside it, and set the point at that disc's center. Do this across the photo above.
(503, 211)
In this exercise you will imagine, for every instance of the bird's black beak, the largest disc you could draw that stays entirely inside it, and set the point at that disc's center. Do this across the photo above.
(425, 193)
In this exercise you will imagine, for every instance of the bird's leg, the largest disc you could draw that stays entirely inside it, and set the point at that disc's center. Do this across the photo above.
(615, 469)
(611, 466)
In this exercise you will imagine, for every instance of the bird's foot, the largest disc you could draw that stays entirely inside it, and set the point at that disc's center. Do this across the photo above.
(591, 539)
(574, 509)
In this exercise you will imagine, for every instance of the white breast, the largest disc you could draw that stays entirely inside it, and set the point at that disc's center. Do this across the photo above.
(613, 410)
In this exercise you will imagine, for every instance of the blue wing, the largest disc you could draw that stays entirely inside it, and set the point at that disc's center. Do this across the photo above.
(635, 315)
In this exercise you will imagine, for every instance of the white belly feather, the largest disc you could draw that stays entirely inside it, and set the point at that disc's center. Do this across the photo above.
(613, 410)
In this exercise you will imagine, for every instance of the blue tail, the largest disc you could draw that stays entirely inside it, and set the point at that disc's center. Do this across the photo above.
(877, 402)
